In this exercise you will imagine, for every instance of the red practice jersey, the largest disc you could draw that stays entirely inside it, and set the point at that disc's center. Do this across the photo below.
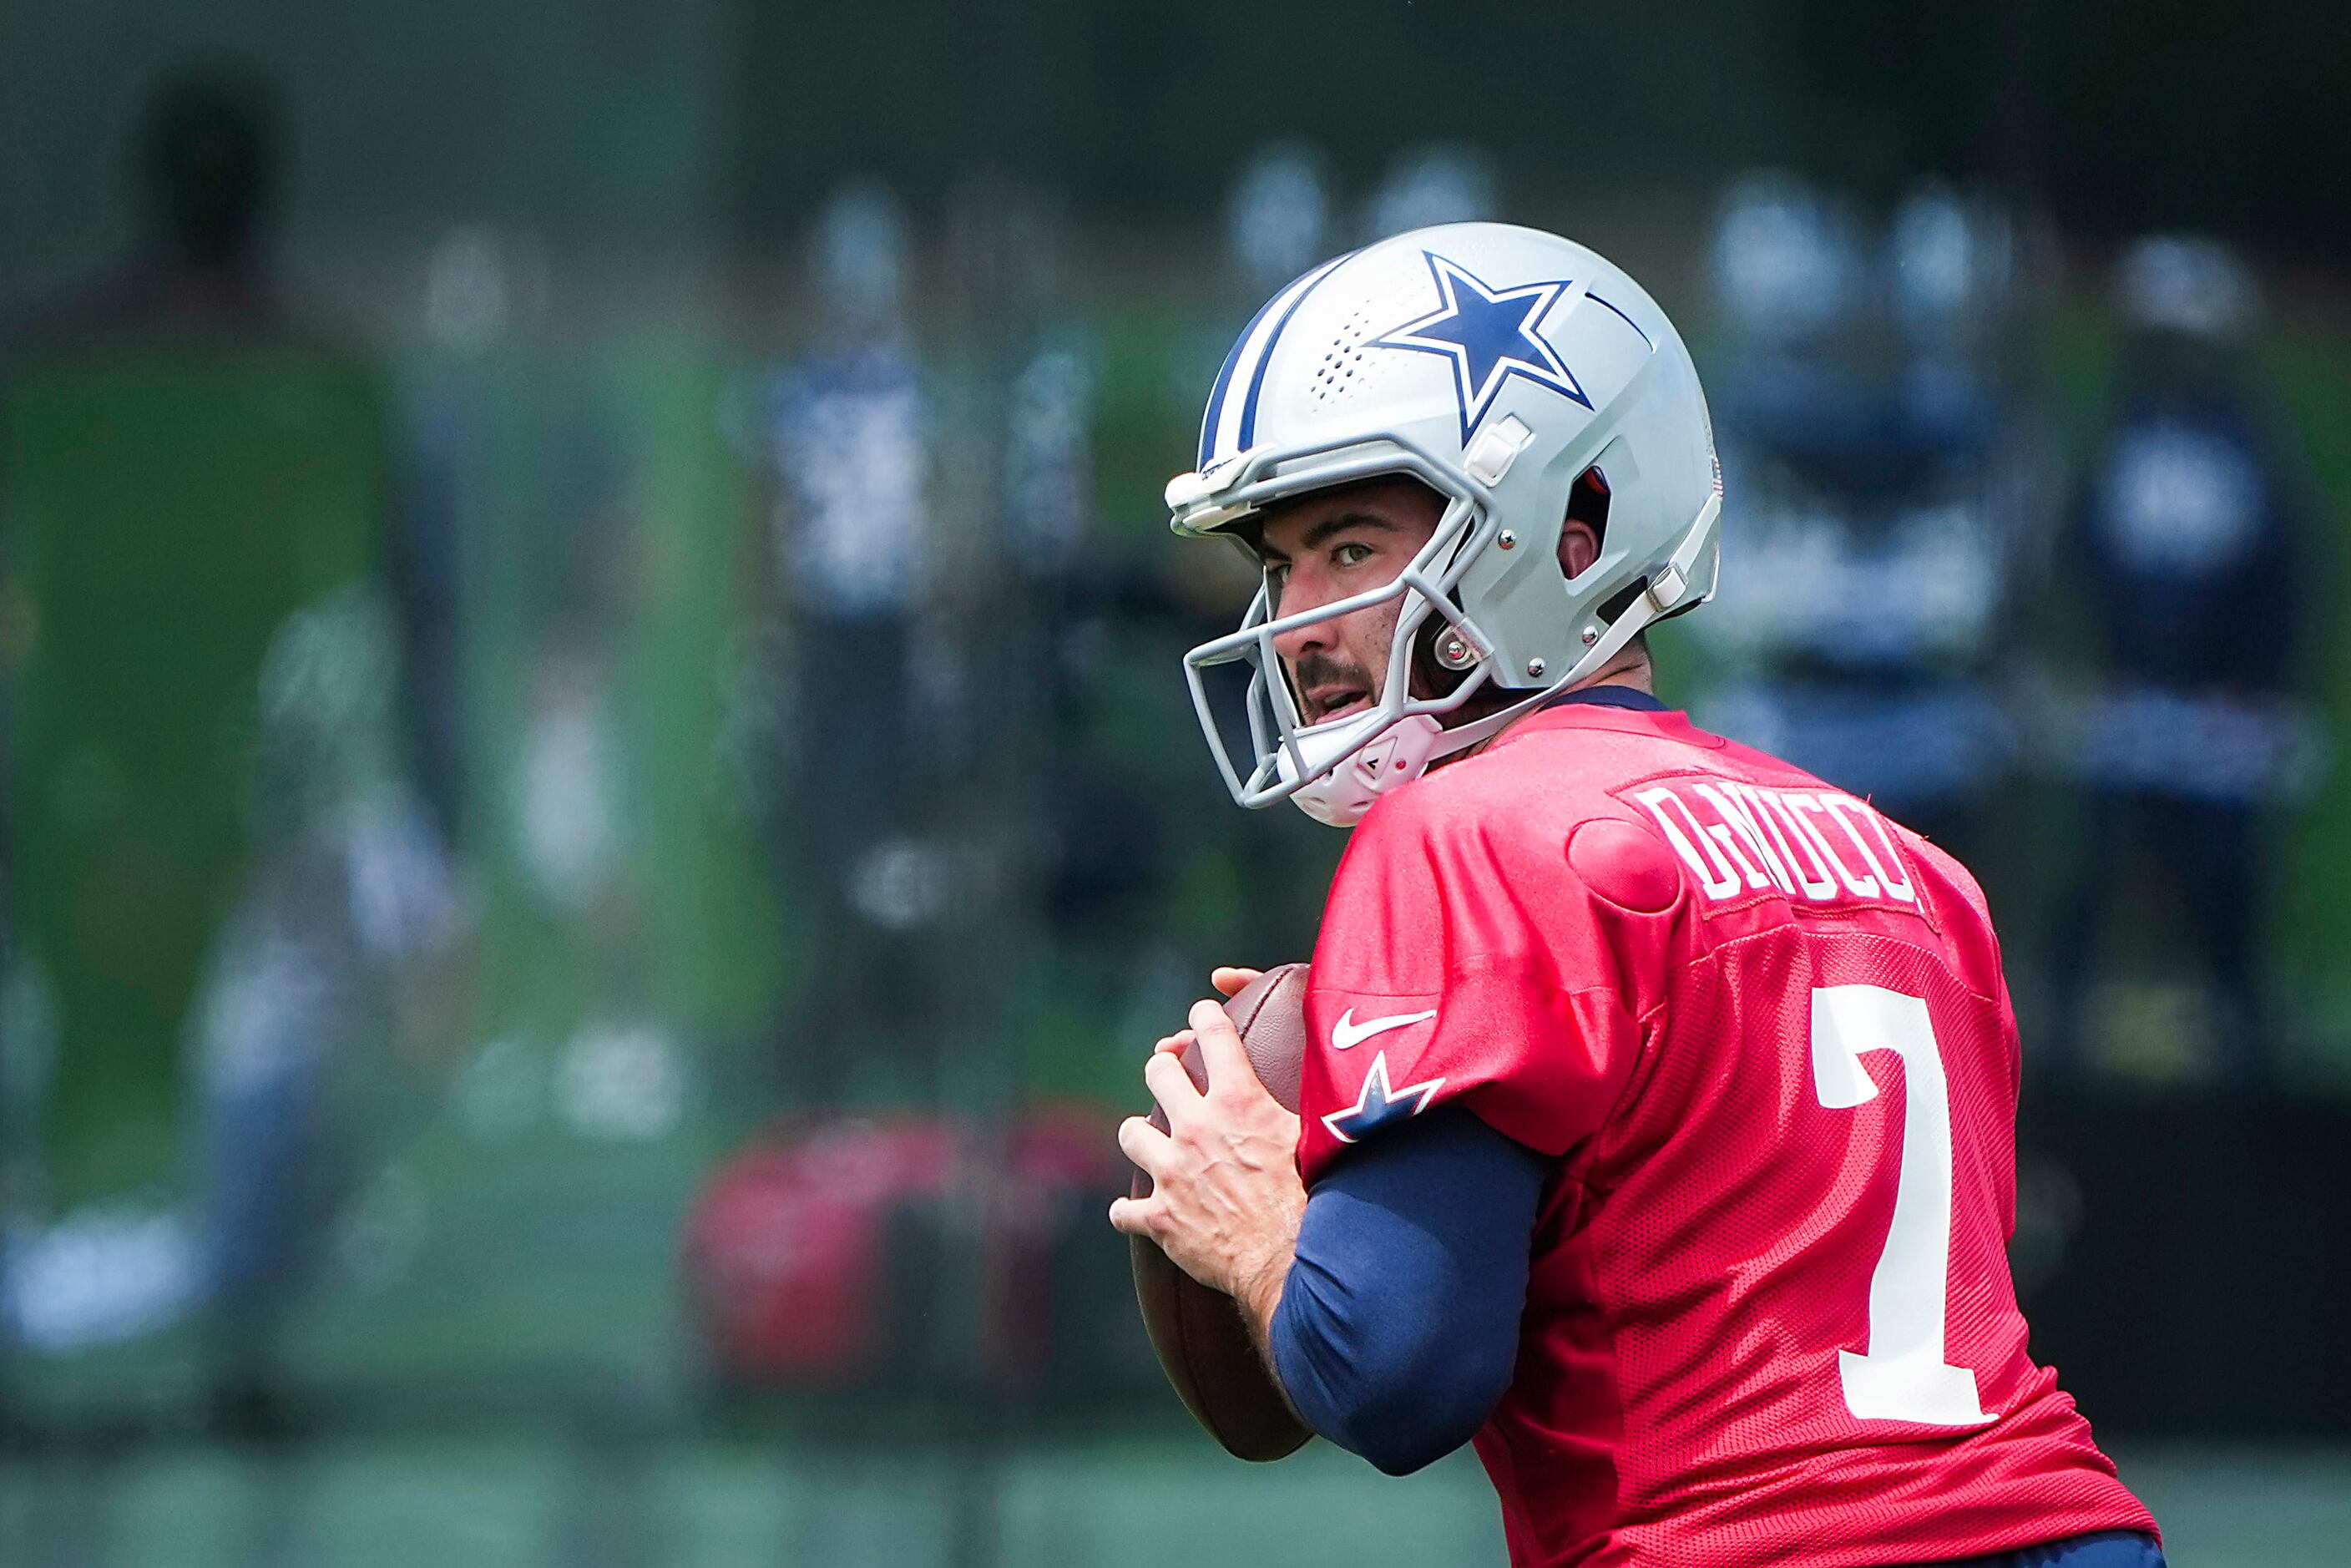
(1764, 1033)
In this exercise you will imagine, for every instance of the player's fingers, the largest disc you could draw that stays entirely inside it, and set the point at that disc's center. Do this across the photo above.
(1220, 1050)
(1230, 981)
(1170, 1084)
(1133, 1214)
(1174, 1044)
(1144, 1145)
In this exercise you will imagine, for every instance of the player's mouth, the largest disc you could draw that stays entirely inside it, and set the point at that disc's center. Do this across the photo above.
(1326, 703)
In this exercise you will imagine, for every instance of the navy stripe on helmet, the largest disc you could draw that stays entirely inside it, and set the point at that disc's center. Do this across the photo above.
(1224, 380)
(1265, 360)
(1628, 320)
(1224, 377)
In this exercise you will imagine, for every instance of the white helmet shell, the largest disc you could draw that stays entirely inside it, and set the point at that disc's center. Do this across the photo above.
(1496, 364)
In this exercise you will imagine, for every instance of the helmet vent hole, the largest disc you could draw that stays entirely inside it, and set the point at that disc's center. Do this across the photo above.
(1344, 369)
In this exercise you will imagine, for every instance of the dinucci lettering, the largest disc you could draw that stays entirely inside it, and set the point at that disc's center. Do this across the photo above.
(1813, 846)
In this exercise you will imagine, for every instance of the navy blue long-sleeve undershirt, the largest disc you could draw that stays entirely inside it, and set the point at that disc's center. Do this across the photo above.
(1397, 1329)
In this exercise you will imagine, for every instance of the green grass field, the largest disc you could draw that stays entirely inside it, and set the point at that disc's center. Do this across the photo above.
(517, 1503)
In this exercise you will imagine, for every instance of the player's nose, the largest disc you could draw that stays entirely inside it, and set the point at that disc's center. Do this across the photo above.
(1317, 637)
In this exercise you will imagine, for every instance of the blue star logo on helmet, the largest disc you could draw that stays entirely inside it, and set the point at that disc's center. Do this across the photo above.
(1490, 335)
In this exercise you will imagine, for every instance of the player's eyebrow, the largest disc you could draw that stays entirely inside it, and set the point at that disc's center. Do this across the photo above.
(1323, 532)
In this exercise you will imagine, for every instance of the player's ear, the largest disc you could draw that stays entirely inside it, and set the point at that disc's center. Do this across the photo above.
(1585, 525)
(1579, 546)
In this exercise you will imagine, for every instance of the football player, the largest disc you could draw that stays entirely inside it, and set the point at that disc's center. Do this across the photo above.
(1656, 1129)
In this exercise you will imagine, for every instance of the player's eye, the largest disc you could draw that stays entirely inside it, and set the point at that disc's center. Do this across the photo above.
(1275, 579)
(1355, 552)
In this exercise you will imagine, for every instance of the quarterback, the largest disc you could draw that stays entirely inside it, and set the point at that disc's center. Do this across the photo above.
(1656, 1127)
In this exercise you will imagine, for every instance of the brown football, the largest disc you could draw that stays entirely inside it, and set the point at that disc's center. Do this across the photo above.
(1203, 1342)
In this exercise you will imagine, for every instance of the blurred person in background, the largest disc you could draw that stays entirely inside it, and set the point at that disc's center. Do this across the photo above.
(975, 843)
(1862, 414)
(2186, 531)
(212, 848)
(1103, 860)
(847, 432)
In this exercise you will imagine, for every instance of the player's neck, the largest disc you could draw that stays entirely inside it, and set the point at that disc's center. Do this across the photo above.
(1630, 669)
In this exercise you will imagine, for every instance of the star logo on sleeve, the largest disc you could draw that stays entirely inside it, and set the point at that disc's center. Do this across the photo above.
(1490, 335)
(1379, 1105)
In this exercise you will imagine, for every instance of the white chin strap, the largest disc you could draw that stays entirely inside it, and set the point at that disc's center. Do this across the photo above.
(1402, 753)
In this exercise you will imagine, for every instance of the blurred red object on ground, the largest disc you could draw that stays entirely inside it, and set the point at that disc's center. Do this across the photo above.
(812, 1255)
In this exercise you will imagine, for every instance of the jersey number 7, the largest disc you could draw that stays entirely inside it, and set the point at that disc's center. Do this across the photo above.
(1903, 1376)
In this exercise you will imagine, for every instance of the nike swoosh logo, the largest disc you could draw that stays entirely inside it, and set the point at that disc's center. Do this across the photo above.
(1346, 1034)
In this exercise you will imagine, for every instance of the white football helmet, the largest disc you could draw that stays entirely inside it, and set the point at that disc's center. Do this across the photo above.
(1496, 365)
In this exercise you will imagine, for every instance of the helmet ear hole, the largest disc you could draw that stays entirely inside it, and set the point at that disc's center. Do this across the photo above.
(1587, 502)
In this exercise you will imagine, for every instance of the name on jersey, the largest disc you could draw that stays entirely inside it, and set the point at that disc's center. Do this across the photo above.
(1817, 846)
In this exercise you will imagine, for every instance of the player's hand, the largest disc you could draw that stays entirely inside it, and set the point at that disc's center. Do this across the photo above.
(1226, 1200)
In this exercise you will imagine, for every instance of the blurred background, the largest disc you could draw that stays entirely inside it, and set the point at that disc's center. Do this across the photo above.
(596, 811)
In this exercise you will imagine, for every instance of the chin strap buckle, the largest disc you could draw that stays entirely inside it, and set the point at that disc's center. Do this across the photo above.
(1667, 587)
